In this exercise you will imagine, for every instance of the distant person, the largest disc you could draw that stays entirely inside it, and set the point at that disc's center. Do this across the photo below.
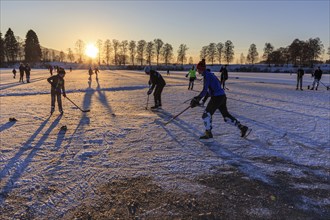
(223, 76)
(192, 77)
(168, 72)
(27, 72)
(158, 83)
(317, 77)
(300, 74)
(21, 72)
(70, 69)
(218, 101)
(51, 70)
(57, 84)
(14, 73)
(96, 71)
(201, 66)
(90, 73)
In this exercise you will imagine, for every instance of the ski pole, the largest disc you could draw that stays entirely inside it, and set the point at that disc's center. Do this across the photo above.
(174, 117)
(78, 106)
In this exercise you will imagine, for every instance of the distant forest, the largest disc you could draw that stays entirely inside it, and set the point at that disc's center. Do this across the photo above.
(14, 49)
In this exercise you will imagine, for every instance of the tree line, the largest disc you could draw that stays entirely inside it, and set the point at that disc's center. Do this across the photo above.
(114, 52)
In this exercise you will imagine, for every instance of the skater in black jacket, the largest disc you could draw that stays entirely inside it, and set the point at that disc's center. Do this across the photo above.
(27, 72)
(317, 77)
(21, 72)
(223, 76)
(57, 82)
(156, 80)
(300, 74)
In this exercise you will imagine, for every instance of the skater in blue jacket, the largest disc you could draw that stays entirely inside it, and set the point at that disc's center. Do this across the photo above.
(212, 87)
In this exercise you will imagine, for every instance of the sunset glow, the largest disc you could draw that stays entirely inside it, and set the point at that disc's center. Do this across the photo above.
(91, 51)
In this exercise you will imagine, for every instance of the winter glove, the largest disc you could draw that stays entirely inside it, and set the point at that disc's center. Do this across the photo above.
(195, 102)
(149, 91)
(64, 95)
(187, 75)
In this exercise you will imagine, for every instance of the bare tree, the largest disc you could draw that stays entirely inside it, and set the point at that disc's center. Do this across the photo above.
(203, 53)
(190, 60)
(107, 51)
(268, 49)
(252, 56)
(167, 53)
(182, 53)
(132, 50)
(158, 48)
(211, 51)
(123, 51)
(115, 44)
(80, 47)
(141, 46)
(219, 52)
(70, 55)
(242, 58)
(62, 56)
(99, 47)
(150, 52)
(228, 51)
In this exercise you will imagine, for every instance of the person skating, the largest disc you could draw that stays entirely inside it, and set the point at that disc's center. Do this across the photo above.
(90, 73)
(158, 83)
(57, 85)
(192, 77)
(223, 76)
(96, 71)
(27, 72)
(218, 101)
(317, 77)
(14, 73)
(300, 74)
(21, 72)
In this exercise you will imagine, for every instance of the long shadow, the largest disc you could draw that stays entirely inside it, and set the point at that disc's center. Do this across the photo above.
(278, 109)
(226, 155)
(7, 125)
(102, 97)
(10, 85)
(59, 139)
(25, 163)
(277, 100)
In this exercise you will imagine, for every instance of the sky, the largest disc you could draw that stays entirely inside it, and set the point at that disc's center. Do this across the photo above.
(59, 24)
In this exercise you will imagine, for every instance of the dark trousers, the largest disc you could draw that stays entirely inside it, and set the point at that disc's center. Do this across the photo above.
(191, 82)
(220, 103)
(55, 95)
(158, 95)
(21, 76)
(299, 81)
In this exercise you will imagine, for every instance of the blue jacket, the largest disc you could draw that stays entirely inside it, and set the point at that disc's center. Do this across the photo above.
(211, 85)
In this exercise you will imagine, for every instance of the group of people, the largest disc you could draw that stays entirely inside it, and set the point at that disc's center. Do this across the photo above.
(23, 69)
(317, 77)
(91, 72)
(212, 88)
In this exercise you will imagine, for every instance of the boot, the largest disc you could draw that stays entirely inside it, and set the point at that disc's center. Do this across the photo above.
(155, 107)
(207, 135)
(243, 129)
(52, 110)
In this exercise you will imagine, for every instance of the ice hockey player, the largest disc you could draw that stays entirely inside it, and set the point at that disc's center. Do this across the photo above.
(96, 71)
(158, 83)
(218, 101)
(27, 72)
(90, 72)
(223, 76)
(317, 77)
(57, 84)
(201, 66)
(14, 73)
(21, 72)
(300, 74)
(192, 77)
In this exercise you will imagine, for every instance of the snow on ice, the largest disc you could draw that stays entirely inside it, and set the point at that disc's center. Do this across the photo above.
(52, 170)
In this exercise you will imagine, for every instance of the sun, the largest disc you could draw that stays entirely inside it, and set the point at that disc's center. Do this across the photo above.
(91, 50)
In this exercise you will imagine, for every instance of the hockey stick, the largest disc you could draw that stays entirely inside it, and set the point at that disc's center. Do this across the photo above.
(174, 117)
(328, 87)
(147, 102)
(78, 106)
(187, 100)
